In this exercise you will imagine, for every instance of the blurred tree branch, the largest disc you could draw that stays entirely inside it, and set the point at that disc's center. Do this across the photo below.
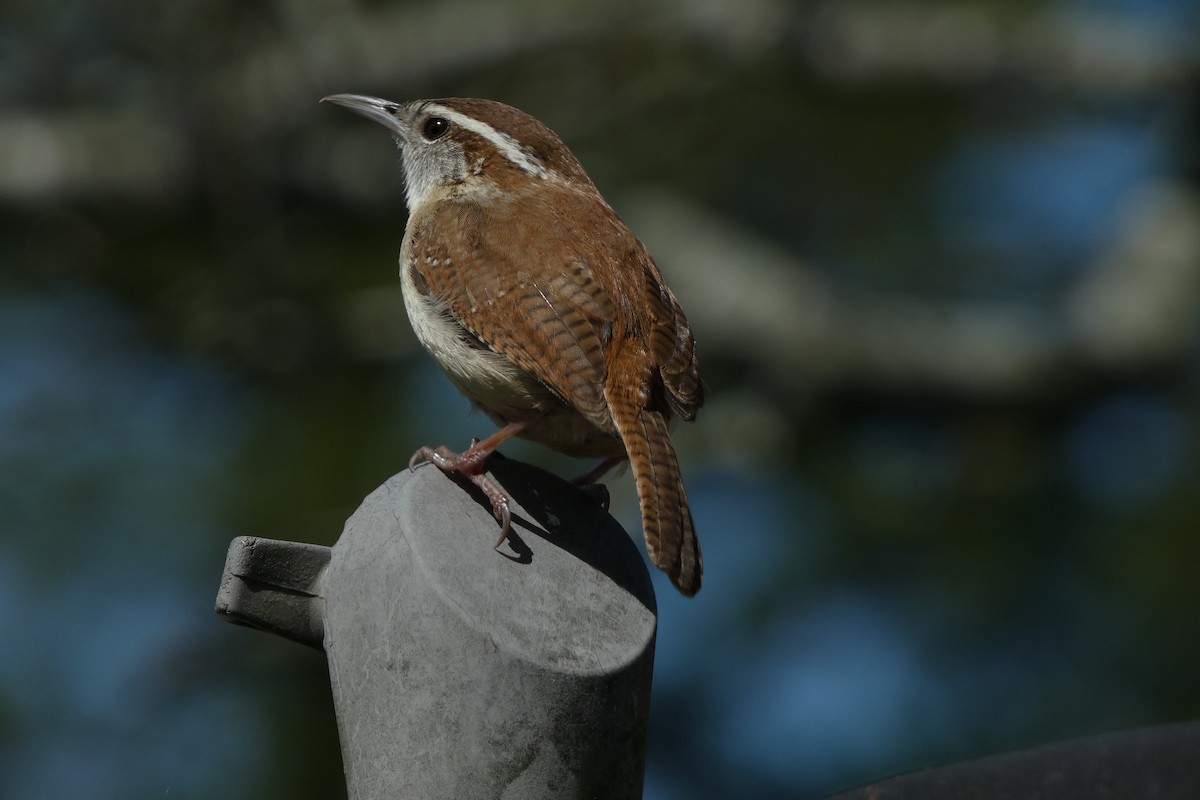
(1134, 307)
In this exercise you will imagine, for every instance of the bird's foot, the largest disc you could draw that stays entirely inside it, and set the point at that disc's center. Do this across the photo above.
(598, 492)
(470, 464)
(589, 481)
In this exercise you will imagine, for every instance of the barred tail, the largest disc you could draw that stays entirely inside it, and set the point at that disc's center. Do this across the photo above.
(666, 519)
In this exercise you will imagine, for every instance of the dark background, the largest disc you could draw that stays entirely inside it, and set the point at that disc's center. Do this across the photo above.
(942, 260)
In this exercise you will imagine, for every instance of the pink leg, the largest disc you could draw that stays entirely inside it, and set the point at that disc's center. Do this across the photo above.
(472, 465)
(599, 471)
(588, 480)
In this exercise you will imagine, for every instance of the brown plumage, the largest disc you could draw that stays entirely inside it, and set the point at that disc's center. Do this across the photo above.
(542, 306)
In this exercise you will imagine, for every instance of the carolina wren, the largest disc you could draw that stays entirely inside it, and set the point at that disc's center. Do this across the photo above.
(542, 307)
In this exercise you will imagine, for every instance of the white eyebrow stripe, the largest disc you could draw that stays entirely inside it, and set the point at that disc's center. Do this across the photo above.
(509, 147)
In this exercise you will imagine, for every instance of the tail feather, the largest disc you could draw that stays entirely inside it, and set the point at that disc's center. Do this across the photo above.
(666, 519)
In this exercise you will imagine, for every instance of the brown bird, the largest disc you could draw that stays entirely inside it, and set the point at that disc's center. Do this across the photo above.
(542, 307)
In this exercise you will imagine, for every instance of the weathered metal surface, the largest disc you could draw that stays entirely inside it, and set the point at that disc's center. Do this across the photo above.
(275, 586)
(462, 671)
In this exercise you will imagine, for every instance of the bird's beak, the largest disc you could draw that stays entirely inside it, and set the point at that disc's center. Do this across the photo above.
(393, 116)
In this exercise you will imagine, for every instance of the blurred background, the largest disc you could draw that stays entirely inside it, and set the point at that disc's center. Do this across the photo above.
(942, 260)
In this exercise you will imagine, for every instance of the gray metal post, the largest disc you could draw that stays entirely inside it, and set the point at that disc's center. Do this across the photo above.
(459, 671)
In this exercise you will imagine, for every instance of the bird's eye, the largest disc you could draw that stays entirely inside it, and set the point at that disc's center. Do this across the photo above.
(435, 128)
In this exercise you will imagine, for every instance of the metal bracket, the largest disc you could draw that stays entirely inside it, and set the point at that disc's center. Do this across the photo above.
(275, 586)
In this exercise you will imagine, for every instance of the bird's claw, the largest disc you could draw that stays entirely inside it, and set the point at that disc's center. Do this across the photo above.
(422, 456)
(504, 516)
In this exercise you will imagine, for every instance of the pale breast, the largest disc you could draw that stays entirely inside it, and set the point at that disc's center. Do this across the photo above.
(488, 379)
